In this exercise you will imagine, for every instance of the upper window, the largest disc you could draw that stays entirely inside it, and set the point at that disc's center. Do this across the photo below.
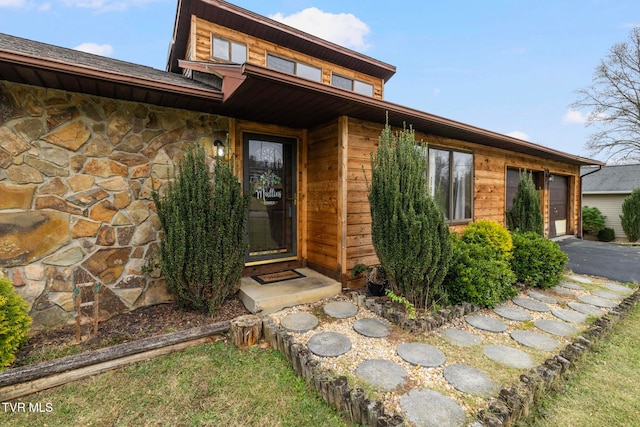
(228, 50)
(298, 68)
(357, 86)
(451, 182)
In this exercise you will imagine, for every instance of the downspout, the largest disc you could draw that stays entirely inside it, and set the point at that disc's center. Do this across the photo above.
(580, 211)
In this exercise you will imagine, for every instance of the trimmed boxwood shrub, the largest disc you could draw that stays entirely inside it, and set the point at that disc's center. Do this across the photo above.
(490, 233)
(537, 261)
(477, 275)
(607, 235)
(14, 322)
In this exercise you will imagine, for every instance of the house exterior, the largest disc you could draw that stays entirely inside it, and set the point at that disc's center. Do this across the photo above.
(84, 140)
(606, 188)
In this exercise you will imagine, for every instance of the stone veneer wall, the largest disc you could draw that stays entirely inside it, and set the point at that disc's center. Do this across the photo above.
(76, 176)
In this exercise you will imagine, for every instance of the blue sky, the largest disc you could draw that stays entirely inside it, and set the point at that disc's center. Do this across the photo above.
(510, 66)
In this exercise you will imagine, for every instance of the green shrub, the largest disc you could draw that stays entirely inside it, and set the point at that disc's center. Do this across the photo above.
(631, 215)
(607, 235)
(537, 261)
(203, 222)
(526, 214)
(14, 322)
(592, 220)
(492, 234)
(478, 276)
(408, 230)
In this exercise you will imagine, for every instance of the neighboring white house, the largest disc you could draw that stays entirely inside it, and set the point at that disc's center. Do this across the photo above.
(607, 188)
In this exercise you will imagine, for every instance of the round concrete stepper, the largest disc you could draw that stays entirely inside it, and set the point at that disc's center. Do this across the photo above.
(618, 288)
(579, 278)
(535, 340)
(508, 356)
(486, 323)
(370, 327)
(565, 292)
(340, 309)
(570, 316)
(460, 338)
(329, 344)
(299, 322)
(556, 327)
(613, 296)
(571, 285)
(542, 297)
(531, 304)
(381, 373)
(470, 380)
(424, 355)
(512, 313)
(597, 301)
(587, 309)
(428, 408)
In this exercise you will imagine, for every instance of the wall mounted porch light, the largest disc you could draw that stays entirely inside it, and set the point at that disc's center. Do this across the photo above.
(219, 147)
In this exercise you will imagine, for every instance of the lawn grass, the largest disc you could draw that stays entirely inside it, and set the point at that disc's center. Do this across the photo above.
(604, 387)
(214, 384)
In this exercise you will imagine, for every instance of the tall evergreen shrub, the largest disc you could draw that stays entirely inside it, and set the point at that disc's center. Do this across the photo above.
(630, 217)
(408, 230)
(526, 214)
(203, 244)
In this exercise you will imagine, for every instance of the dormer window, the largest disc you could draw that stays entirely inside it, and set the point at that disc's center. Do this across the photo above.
(228, 50)
(293, 67)
(353, 85)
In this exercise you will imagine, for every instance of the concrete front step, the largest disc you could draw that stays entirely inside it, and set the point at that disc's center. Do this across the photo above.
(273, 297)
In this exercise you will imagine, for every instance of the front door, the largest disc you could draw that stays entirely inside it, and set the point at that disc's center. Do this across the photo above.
(558, 212)
(270, 181)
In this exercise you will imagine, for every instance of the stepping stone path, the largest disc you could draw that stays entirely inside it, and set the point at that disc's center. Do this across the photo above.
(299, 322)
(340, 309)
(571, 316)
(613, 296)
(486, 323)
(542, 297)
(565, 292)
(329, 344)
(424, 355)
(587, 309)
(371, 327)
(460, 338)
(597, 301)
(512, 313)
(570, 285)
(381, 373)
(556, 327)
(535, 340)
(623, 290)
(470, 380)
(508, 356)
(429, 408)
(531, 304)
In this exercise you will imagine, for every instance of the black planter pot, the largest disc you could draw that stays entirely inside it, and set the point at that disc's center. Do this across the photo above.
(376, 289)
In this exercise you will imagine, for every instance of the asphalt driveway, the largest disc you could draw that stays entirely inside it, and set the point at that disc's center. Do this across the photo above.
(616, 262)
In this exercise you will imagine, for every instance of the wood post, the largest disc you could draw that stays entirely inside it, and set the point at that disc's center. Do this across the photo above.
(246, 330)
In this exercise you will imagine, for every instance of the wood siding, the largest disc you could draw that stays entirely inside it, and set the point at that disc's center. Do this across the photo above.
(257, 50)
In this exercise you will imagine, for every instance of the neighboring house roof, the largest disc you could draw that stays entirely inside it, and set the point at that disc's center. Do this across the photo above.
(616, 179)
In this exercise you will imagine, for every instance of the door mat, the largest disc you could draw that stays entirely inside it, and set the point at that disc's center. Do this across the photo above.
(280, 276)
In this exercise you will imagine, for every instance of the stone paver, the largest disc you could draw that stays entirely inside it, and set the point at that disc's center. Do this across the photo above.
(381, 373)
(613, 296)
(531, 304)
(587, 309)
(459, 337)
(428, 408)
(419, 354)
(542, 297)
(579, 278)
(618, 288)
(299, 322)
(597, 301)
(571, 285)
(535, 340)
(556, 327)
(571, 316)
(508, 356)
(565, 292)
(486, 323)
(329, 344)
(512, 313)
(370, 327)
(470, 380)
(340, 309)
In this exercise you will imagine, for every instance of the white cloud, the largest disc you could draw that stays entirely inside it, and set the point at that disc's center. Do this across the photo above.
(106, 5)
(341, 28)
(13, 3)
(574, 116)
(519, 134)
(96, 49)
